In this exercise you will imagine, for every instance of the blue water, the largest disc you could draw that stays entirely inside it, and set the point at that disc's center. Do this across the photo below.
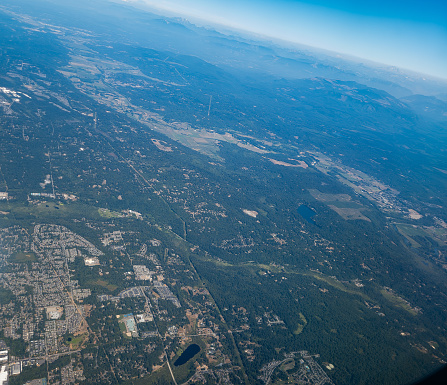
(189, 353)
(306, 213)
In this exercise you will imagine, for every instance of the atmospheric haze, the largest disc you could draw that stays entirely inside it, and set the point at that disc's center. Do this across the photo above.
(406, 34)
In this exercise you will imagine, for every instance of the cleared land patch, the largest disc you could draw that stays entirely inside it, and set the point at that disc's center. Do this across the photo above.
(324, 197)
(75, 341)
(409, 231)
(300, 325)
(161, 146)
(299, 163)
(350, 213)
(23, 257)
(53, 209)
(398, 301)
(251, 213)
(103, 283)
(106, 213)
(342, 204)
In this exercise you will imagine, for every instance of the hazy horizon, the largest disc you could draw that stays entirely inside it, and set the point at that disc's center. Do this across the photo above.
(399, 33)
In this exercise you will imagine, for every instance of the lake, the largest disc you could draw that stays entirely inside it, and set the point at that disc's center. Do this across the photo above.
(307, 213)
(189, 353)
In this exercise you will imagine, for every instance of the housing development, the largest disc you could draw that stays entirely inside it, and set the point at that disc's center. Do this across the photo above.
(183, 206)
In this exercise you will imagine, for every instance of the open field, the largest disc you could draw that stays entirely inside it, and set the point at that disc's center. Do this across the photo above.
(23, 257)
(106, 213)
(324, 197)
(103, 283)
(350, 213)
(49, 209)
(398, 301)
(409, 231)
(342, 204)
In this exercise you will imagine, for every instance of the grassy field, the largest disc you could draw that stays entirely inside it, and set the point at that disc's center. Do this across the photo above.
(411, 230)
(301, 325)
(398, 301)
(160, 376)
(103, 283)
(408, 231)
(122, 327)
(106, 213)
(75, 341)
(49, 210)
(23, 257)
(337, 285)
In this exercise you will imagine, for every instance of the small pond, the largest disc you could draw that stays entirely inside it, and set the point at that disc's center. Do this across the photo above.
(307, 213)
(189, 353)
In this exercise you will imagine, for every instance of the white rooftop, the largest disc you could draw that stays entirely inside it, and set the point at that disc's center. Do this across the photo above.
(3, 375)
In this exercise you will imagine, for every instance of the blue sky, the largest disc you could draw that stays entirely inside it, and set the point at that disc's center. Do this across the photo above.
(411, 34)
